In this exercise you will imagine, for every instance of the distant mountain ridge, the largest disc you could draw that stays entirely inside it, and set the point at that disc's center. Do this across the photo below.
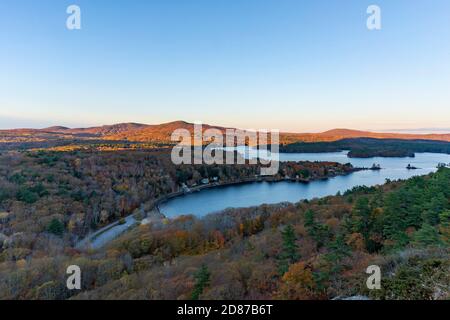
(138, 132)
(101, 130)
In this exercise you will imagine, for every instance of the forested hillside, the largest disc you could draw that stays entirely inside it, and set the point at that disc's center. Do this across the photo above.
(82, 191)
(369, 147)
(311, 250)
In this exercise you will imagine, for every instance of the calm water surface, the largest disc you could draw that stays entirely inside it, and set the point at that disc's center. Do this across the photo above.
(252, 194)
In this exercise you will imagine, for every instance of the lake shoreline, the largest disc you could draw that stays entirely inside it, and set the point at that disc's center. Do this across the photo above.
(251, 191)
(258, 179)
(155, 214)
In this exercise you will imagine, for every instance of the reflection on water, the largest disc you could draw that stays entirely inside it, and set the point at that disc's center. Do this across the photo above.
(252, 194)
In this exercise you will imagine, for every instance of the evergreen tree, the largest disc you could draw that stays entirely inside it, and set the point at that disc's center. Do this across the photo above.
(309, 220)
(444, 227)
(396, 211)
(361, 217)
(434, 207)
(56, 227)
(427, 236)
(319, 232)
(289, 253)
(202, 278)
(337, 251)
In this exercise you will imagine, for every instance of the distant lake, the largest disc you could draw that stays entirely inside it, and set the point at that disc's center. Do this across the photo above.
(252, 194)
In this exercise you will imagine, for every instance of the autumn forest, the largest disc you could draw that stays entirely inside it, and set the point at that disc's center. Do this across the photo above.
(53, 197)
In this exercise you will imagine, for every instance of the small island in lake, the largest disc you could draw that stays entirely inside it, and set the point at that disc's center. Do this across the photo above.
(375, 167)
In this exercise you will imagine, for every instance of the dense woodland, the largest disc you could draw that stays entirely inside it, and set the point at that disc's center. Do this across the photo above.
(369, 147)
(310, 250)
(83, 191)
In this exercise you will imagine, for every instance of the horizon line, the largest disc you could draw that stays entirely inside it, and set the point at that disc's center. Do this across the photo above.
(418, 130)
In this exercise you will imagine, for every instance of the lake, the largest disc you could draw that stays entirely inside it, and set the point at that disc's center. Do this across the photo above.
(252, 194)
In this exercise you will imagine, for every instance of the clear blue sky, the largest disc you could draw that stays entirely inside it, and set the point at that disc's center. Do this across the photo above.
(286, 64)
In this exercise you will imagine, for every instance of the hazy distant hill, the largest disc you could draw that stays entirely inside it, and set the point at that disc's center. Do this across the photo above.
(101, 131)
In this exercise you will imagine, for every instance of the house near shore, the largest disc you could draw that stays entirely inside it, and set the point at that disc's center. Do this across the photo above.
(184, 187)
